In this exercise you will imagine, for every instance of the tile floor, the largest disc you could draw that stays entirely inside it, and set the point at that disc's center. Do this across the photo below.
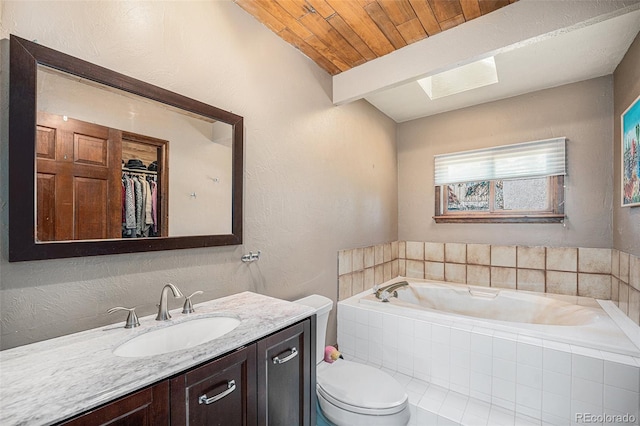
(433, 405)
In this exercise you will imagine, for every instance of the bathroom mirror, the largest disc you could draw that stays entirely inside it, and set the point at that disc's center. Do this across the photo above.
(80, 135)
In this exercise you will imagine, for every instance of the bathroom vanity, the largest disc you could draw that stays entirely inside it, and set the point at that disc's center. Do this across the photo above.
(257, 374)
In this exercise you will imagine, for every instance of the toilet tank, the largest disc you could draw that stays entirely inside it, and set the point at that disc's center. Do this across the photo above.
(323, 306)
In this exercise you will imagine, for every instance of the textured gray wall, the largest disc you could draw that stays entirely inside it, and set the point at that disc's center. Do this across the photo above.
(581, 112)
(318, 178)
(626, 81)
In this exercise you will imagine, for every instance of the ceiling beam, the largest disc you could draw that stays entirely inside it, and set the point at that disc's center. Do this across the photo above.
(524, 22)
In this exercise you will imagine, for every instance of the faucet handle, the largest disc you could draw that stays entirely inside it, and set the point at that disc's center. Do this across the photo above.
(132, 318)
(188, 307)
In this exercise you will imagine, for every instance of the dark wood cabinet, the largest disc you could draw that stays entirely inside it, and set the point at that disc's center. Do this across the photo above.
(219, 393)
(269, 382)
(286, 377)
(147, 407)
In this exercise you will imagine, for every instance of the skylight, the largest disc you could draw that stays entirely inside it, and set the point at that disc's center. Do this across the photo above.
(467, 77)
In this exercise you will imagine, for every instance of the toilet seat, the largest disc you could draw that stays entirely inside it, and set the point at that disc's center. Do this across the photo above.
(360, 388)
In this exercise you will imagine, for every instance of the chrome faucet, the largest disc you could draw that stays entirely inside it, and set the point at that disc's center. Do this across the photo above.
(384, 293)
(163, 311)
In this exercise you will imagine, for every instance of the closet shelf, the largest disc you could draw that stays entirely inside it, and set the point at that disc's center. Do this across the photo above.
(148, 172)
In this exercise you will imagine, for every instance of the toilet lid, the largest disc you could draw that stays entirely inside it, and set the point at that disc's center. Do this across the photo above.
(360, 388)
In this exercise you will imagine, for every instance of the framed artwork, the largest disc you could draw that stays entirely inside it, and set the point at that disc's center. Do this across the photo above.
(630, 126)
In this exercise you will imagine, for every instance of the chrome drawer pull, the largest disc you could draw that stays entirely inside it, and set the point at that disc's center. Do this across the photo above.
(231, 386)
(293, 354)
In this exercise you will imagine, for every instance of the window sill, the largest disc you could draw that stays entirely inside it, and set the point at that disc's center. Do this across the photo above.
(502, 218)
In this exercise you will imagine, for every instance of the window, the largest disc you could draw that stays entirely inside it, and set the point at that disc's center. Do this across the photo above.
(513, 183)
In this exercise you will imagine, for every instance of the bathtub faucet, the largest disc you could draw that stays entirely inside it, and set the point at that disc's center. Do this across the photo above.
(386, 292)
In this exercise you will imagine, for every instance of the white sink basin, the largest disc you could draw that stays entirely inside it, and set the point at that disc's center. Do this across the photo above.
(177, 337)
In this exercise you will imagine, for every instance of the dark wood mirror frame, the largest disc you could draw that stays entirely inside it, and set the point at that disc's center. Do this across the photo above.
(25, 56)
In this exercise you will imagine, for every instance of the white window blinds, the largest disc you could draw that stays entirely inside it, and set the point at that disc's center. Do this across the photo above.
(522, 160)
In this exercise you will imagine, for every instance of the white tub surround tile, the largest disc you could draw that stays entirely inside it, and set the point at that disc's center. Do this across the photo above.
(505, 347)
(529, 354)
(503, 256)
(622, 401)
(562, 259)
(535, 379)
(625, 376)
(557, 384)
(531, 257)
(556, 409)
(587, 368)
(460, 342)
(586, 391)
(558, 361)
(505, 370)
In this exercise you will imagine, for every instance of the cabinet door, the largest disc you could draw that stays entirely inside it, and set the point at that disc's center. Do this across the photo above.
(222, 392)
(148, 407)
(286, 377)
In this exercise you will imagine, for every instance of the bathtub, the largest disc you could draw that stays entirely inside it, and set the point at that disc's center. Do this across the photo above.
(494, 304)
(567, 319)
(548, 357)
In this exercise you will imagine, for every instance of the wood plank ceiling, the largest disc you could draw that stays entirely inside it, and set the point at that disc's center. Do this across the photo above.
(341, 34)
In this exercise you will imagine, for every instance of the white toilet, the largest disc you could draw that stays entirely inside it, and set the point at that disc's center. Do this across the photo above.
(352, 394)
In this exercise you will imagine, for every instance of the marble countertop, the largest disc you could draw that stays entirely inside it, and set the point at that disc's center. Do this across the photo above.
(46, 382)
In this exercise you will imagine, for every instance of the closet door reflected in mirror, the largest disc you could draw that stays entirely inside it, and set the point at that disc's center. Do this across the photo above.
(93, 182)
(201, 185)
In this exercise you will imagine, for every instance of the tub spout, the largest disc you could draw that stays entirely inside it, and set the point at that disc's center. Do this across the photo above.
(389, 291)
